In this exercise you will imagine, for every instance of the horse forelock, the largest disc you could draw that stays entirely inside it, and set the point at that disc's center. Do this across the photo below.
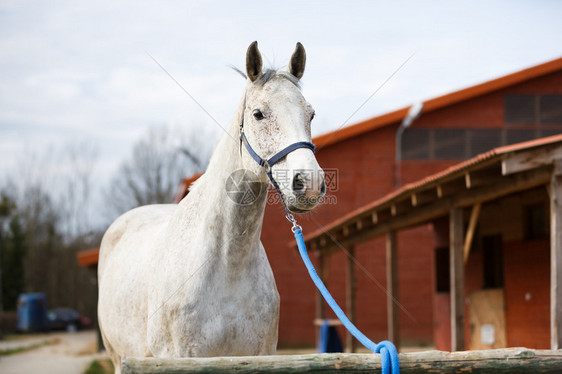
(268, 74)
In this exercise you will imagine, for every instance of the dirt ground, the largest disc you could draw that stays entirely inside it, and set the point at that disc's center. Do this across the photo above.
(72, 353)
(65, 353)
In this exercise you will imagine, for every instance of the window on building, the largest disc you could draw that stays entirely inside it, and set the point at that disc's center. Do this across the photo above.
(533, 109)
(460, 144)
(416, 144)
(450, 144)
(492, 257)
(551, 109)
(483, 140)
(520, 109)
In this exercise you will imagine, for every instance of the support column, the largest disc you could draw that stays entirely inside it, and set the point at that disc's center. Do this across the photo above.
(351, 289)
(392, 311)
(556, 256)
(456, 269)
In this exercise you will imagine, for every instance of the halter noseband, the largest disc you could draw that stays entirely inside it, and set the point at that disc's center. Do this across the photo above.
(268, 163)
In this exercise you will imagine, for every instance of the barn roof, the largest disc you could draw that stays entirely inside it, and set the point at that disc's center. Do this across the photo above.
(440, 102)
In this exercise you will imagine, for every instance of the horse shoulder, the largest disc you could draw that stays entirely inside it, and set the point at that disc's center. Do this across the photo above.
(131, 224)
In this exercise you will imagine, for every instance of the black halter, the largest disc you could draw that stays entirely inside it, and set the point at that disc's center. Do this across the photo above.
(268, 163)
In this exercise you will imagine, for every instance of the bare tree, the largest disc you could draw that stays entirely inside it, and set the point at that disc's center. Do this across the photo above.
(153, 172)
(76, 195)
(51, 194)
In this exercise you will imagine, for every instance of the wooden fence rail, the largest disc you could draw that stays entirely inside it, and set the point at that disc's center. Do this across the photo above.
(512, 360)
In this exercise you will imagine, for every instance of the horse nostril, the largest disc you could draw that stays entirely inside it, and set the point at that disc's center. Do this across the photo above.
(298, 183)
(323, 188)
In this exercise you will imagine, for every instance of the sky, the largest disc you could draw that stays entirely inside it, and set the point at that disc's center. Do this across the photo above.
(80, 71)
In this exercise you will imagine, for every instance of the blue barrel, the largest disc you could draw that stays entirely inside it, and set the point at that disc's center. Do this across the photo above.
(32, 312)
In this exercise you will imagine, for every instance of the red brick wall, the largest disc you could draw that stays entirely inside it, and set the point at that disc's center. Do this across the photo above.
(366, 172)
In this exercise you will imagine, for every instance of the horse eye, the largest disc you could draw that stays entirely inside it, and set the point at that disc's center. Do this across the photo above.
(257, 114)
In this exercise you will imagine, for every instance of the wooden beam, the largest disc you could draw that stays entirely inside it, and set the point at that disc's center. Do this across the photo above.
(392, 311)
(531, 159)
(423, 197)
(499, 361)
(451, 187)
(456, 269)
(515, 183)
(359, 224)
(555, 190)
(470, 231)
(351, 288)
(485, 176)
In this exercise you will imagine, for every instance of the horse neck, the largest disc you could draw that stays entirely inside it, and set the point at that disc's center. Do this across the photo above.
(239, 225)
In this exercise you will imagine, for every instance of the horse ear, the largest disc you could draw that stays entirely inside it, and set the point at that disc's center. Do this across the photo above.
(253, 62)
(298, 60)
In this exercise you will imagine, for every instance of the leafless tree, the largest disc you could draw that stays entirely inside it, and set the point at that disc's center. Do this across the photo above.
(155, 168)
(51, 192)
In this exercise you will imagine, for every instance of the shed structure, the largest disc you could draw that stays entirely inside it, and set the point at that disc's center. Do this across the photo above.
(498, 216)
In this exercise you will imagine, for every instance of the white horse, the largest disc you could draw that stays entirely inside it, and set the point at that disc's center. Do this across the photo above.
(193, 279)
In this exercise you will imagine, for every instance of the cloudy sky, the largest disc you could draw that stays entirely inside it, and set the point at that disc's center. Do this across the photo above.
(77, 71)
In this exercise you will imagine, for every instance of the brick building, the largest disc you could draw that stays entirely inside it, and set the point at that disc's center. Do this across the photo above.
(521, 106)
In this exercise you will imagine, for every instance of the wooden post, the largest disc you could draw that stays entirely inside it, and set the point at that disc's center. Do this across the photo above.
(320, 308)
(351, 288)
(392, 312)
(556, 256)
(456, 268)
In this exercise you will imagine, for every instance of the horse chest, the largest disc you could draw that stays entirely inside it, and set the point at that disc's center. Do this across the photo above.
(238, 316)
(227, 313)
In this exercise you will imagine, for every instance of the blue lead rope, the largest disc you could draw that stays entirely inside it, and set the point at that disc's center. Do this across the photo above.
(387, 350)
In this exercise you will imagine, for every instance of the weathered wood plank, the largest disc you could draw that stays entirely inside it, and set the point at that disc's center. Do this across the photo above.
(531, 159)
(513, 360)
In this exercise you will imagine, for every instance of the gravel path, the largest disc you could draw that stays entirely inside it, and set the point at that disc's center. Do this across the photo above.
(67, 353)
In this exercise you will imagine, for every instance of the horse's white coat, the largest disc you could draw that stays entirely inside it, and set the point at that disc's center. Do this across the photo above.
(193, 279)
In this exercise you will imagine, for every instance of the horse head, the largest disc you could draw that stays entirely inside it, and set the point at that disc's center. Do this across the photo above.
(277, 117)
